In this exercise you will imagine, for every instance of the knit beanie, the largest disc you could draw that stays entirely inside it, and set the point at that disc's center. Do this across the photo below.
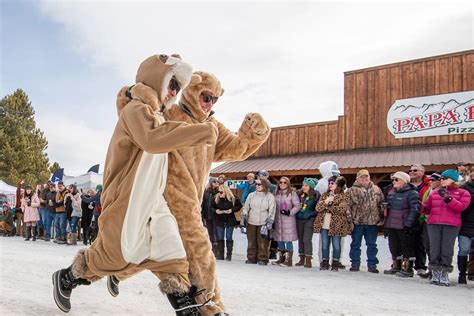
(451, 174)
(401, 176)
(311, 182)
(99, 187)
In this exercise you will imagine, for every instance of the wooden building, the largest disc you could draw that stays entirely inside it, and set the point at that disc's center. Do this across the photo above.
(361, 138)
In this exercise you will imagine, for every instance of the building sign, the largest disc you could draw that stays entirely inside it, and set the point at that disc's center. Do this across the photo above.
(444, 114)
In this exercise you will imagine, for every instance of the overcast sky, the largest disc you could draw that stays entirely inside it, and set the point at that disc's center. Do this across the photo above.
(285, 60)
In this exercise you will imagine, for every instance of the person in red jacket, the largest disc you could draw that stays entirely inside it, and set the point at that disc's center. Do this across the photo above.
(444, 207)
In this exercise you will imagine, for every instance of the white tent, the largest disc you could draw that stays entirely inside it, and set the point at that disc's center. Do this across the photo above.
(8, 190)
(86, 181)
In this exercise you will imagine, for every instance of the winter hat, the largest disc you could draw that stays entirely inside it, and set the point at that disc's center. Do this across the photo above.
(311, 182)
(401, 176)
(363, 173)
(451, 174)
(212, 180)
(263, 173)
(28, 187)
(99, 187)
(435, 176)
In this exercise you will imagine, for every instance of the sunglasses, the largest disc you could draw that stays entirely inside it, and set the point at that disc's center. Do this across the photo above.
(283, 182)
(413, 170)
(174, 85)
(432, 180)
(220, 192)
(445, 178)
(395, 180)
(258, 184)
(209, 98)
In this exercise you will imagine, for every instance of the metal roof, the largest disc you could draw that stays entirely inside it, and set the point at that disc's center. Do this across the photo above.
(357, 159)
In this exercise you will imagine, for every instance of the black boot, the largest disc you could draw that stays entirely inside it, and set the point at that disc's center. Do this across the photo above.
(28, 233)
(34, 233)
(407, 269)
(462, 267)
(112, 285)
(63, 283)
(185, 303)
(396, 266)
(220, 250)
(229, 246)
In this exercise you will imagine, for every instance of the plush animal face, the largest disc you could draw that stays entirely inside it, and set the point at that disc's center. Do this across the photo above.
(201, 94)
(157, 71)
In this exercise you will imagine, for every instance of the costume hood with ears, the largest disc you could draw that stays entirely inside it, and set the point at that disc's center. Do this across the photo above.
(200, 81)
(327, 169)
(155, 72)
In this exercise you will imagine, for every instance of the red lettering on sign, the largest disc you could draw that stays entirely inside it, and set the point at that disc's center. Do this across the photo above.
(401, 124)
(450, 117)
(470, 113)
(433, 118)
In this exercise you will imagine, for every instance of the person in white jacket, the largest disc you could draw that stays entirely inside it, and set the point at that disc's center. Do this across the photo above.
(74, 198)
(258, 214)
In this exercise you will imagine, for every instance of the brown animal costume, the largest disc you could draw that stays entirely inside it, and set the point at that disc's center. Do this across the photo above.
(136, 228)
(188, 170)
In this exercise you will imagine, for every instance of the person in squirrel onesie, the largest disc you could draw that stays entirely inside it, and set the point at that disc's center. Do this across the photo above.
(136, 227)
(188, 171)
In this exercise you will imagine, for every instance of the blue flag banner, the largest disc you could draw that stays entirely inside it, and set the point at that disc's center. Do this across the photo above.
(58, 175)
(94, 168)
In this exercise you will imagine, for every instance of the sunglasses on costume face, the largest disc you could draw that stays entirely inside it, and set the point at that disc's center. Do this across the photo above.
(209, 98)
(174, 85)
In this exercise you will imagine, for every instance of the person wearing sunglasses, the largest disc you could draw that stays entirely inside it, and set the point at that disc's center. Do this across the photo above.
(333, 221)
(288, 204)
(466, 234)
(444, 207)
(208, 216)
(400, 223)
(224, 206)
(259, 210)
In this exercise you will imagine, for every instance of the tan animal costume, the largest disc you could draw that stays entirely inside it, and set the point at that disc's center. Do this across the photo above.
(188, 170)
(136, 228)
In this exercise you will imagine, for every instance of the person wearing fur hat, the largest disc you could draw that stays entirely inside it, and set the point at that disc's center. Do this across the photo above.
(400, 223)
(365, 205)
(333, 221)
(305, 221)
(30, 204)
(136, 227)
(288, 204)
(188, 169)
(444, 207)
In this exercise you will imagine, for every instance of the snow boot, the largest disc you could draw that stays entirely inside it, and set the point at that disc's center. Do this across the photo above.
(425, 275)
(435, 275)
(230, 247)
(407, 269)
(444, 278)
(462, 267)
(220, 250)
(373, 269)
(301, 262)
(112, 285)
(335, 265)
(307, 262)
(288, 259)
(28, 233)
(63, 283)
(281, 257)
(72, 239)
(34, 233)
(185, 304)
(339, 264)
(396, 264)
(324, 265)
(61, 240)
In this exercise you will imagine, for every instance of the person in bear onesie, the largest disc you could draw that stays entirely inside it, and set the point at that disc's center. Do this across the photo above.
(188, 171)
(136, 227)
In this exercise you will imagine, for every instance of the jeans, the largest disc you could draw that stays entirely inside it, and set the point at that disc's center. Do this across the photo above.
(326, 243)
(285, 245)
(464, 244)
(48, 223)
(369, 232)
(73, 224)
(60, 221)
(42, 214)
(226, 231)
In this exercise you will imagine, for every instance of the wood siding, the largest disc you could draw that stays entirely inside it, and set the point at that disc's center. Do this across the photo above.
(368, 95)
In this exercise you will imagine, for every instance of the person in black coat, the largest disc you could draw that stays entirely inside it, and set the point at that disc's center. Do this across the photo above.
(87, 212)
(466, 233)
(224, 206)
(208, 218)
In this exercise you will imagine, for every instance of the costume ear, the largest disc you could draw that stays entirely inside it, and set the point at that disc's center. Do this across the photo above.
(195, 79)
(176, 56)
(222, 92)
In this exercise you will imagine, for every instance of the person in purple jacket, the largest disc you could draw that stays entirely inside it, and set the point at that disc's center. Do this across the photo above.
(444, 207)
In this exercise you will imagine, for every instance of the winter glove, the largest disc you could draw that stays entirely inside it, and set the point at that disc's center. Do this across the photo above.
(269, 226)
(243, 221)
(445, 195)
(285, 212)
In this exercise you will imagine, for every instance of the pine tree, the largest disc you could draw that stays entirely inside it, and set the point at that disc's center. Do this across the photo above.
(22, 144)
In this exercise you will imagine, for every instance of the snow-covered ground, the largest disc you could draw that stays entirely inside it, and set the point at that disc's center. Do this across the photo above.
(26, 268)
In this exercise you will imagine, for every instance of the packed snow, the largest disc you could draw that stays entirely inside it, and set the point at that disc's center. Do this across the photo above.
(26, 288)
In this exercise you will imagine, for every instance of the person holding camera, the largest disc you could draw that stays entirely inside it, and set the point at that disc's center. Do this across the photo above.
(29, 204)
(444, 207)
(401, 221)
(287, 205)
